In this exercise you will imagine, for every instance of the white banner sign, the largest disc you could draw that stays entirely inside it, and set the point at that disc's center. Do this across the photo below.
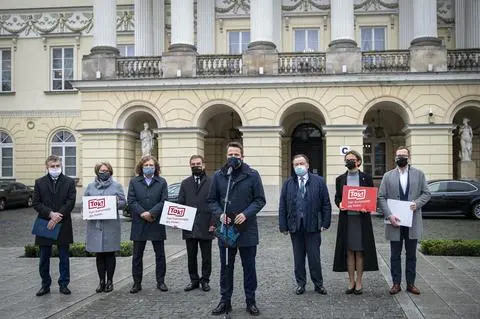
(178, 216)
(99, 207)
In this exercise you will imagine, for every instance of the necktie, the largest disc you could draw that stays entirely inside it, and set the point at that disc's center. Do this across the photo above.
(197, 182)
(302, 186)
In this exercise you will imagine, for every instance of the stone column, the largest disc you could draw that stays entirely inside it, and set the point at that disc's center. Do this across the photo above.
(182, 26)
(206, 27)
(100, 63)
(460, 24)
(342, 20)
(431, 149)
(277, 24)
(472, 24)
(261, 25)
(158, 27)
(118, 146)
(262, 146)
(343, 55)
(143, 28)
(425, 23)
(405, 8)
(175, 146)
(337, 136)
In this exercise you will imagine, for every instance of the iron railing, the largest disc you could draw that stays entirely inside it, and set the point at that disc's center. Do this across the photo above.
(301, 63)
(386, 61)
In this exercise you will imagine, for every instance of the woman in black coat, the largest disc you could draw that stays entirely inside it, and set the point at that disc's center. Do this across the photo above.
(355, 246)
(147, 193)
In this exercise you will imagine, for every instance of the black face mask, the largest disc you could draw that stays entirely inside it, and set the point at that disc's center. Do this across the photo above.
(234, 162)
(401, 161)
(197, 170)
(350, 164)
(103, 176)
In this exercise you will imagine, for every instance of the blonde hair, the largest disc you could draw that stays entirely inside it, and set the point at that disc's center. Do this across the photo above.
(100, 164)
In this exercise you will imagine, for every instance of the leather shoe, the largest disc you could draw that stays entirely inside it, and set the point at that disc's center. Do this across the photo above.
(136, 288)
(321, 290)
(358, 291)
(222, 308)
(395, 289)
(191, 286)
(300, 290)
(43, 291)
(109, 286)
(253, 310)
(350, 291)
(101, 286)
(64, 290)
(205, 286)
(162, 286)
(414, 290)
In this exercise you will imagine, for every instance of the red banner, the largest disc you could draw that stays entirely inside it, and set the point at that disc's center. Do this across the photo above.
(356, 198)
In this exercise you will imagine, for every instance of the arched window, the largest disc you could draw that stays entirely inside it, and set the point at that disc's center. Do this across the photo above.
(6, 155)
(65, 146)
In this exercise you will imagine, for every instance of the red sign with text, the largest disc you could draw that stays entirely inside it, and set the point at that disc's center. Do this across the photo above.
(356, 198)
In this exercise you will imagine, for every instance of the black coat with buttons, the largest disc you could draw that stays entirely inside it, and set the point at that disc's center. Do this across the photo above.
(147, 198)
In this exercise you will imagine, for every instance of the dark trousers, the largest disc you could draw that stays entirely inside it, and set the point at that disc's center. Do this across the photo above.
(192, 252)
(63, 265)
(137, 260)
(247, 255)
(307, 244)
(396, 257)
(106, 263)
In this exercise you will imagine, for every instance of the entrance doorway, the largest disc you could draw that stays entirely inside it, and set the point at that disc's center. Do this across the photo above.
(307, 139)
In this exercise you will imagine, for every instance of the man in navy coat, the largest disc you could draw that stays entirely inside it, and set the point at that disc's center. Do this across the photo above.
(304, 212)
(246, 198)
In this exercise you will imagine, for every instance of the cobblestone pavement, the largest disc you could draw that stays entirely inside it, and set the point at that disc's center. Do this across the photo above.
(448, 284)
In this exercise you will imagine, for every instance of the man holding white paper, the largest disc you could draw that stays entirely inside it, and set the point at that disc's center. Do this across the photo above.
(404, 183)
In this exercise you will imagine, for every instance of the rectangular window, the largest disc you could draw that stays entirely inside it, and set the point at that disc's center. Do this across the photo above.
(126, 49)
(238, 41)
(5, 70)
(6, 158)
(307, 40)
(62, 69)
(372, 38)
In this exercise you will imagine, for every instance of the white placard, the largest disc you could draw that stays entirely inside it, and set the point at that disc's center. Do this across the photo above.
(344, 149)
(99, 207)
(178, 216)
(400, 209)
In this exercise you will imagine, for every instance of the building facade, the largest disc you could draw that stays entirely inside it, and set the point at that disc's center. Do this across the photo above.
(282, 77)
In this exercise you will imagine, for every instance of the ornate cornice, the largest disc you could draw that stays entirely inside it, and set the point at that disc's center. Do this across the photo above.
(32, 114)
(39, 22)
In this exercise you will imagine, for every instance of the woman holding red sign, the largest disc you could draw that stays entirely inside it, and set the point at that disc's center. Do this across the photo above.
(355, 246)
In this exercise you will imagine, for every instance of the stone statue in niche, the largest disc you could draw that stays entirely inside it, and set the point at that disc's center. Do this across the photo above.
(466, 136)
(146, 137)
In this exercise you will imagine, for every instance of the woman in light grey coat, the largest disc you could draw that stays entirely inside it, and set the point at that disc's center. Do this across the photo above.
(103, 236)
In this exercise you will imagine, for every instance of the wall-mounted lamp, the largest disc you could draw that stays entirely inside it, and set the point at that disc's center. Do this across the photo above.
(431, 116)
(98, 75)
(260, 70)
(430, 67)
(344, 68)
(179, 73)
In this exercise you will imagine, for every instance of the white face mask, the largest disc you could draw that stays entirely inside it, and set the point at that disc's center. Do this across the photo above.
(54, 172)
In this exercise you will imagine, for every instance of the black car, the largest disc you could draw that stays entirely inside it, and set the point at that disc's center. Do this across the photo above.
(15, 194)
(173, 191)
(453, 197)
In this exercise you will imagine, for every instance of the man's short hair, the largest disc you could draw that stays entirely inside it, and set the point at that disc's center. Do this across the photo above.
(195, 157)
(100, 164)
(53, 158)
(402, 148)
(237, 145)
(356, 154)
(301, 155)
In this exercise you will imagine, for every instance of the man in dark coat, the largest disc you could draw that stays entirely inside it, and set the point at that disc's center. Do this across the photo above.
(304, 212)
(194, 192)
(54, 199)
(146, 194)
(246, 198)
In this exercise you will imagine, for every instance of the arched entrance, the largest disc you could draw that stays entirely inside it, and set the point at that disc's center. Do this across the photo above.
(222, 125)
(471, 112)
(307, 139)
(382, 136)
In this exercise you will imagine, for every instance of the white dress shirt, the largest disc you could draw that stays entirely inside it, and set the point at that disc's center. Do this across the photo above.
(403, 178)
(305, 179)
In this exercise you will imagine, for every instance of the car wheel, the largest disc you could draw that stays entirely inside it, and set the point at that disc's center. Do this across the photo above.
(30, 202)
(476, 210)
(3, 204)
